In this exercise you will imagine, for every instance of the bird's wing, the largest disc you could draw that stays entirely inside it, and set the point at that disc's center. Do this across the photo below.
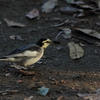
(21, 49)
(30, 50)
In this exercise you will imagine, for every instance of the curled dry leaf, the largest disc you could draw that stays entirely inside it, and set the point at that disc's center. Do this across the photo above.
(91, 96)
(49, 6)
(84, 6)
(33, 13)
(43, 91)
(75, 50)
(66, 31)
(12, 23)
(13, 37)
(89, 32)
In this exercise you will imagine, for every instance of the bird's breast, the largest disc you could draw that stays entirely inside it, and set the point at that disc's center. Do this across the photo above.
(33, 59)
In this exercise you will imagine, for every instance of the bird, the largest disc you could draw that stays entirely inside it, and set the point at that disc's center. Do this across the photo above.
(29, 54)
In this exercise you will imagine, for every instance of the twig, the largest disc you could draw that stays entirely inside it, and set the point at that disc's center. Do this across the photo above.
(58, 35)
(8, 92)
(61, 23)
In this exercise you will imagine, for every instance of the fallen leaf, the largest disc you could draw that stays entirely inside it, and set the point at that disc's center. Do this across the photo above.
(70, 1)
(43, 91)
(75, 50)
(89, 32)
(82, 5)
(99, 4)
(7, 74)
(85, 6)
(91, 96)
(33, 13)
(61, 98)
(8, 92)
(69, 9)
(13, 37)
(28, 98)
(78, 2)
(66, 32)
(12, 23)
(49, 6)
(98, 24)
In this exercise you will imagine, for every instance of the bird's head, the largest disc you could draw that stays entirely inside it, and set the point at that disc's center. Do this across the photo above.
(45, 42)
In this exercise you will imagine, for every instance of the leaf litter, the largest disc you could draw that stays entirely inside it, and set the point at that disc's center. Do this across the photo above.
(8, 92)
(90, 32)
(75, 51)
(16, 37)
(28, 98)
(69, 9)
(91, 96)
(33, 13)
(43, 90)
(12, 23)
(49, 6)
(66, 32)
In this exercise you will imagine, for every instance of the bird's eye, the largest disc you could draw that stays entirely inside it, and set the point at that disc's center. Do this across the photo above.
(48, 42)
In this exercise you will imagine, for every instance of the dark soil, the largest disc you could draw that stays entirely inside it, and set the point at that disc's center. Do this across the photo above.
(64, 76)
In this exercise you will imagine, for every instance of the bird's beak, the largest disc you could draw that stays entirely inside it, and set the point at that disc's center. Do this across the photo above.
(56, 42)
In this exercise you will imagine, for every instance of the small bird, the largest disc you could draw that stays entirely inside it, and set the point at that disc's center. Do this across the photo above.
(29, 54)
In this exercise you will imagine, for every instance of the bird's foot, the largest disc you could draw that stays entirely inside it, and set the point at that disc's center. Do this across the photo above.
(18, 67)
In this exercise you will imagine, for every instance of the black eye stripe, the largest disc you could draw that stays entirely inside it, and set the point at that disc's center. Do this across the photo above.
(47, 42)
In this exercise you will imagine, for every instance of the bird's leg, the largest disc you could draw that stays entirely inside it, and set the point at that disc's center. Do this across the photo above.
(30, 70)
(18, 66)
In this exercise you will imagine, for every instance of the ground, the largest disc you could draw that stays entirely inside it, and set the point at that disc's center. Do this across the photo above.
(58, 72)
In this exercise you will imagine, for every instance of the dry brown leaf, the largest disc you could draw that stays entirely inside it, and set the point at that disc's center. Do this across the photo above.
(49, 5)
(75, 50)
(61, 98)
(28, 98)
(91, 96)
(33, 13)
(12, 23)
(89, 32)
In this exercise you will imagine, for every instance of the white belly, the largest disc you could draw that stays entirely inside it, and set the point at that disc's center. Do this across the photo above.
(33, 60)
